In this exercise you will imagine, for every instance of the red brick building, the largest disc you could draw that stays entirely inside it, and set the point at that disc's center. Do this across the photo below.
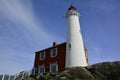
(51, 59)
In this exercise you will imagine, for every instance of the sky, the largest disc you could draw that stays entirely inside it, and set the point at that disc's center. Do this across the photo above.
(27, 26)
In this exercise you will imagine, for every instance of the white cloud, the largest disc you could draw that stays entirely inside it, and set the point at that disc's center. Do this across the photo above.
(23, 15)
(21, 34)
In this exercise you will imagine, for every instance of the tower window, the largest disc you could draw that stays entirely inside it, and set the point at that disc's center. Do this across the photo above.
(53, 52)
(69, 46)
(53, 67)
(42, 55)
(41, 69)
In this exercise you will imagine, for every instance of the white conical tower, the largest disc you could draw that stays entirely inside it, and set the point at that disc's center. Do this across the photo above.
(75, 54)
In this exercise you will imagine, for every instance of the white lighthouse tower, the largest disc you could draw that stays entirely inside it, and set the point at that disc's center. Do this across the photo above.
(75, 54)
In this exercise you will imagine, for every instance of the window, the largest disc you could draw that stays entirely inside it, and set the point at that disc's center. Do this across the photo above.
(41, 69)
(42, 55)
(53, 52)
(69, 46)
(53, 67)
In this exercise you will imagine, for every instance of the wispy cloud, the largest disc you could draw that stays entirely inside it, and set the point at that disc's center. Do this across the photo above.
(20, 35)
(19, 14)
(95, 54)
(105, 7)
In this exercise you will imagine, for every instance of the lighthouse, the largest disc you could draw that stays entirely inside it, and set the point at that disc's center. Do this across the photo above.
(75, 54)
(71, 53)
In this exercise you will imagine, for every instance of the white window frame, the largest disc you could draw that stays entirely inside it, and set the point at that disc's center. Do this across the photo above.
(53, 64)
(41, 67)
(52, 52)
(41, 55)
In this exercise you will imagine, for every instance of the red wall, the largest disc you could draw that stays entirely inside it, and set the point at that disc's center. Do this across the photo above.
(60, 58)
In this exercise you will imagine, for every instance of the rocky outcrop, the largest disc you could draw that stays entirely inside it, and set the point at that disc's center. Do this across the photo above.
(100, 71)
(110, 70)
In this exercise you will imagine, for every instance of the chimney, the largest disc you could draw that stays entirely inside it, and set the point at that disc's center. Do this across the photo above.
(55, 44)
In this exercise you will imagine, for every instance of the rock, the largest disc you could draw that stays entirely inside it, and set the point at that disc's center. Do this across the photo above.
(110, 70)
(80, 72)
(100, 71)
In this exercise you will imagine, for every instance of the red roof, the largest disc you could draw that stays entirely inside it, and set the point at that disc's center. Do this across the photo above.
(72, 8)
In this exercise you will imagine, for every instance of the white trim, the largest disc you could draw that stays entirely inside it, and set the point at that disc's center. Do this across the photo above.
(9, 77)
(41, 67)
(6, 76)
(52, 51)
(53, 64)
(42, 55)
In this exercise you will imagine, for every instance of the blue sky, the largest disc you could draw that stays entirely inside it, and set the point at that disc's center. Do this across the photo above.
(27, 26)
